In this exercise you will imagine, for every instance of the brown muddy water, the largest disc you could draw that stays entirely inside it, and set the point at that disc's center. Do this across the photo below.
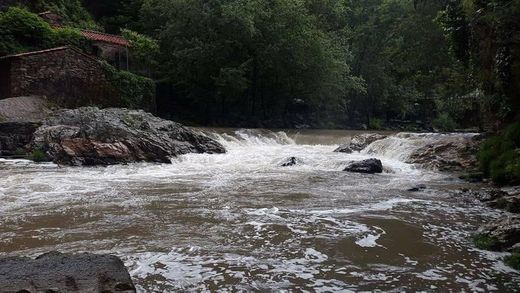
(239, 222)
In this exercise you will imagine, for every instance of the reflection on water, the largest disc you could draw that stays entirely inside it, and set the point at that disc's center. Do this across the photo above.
(238, 221)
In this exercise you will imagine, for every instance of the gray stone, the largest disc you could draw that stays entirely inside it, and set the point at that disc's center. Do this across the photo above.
(57, 272)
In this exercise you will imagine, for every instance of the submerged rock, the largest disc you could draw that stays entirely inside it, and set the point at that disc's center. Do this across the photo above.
(369, 166)
(291, 161)
(417, 188)
(57, 272)
(90, 136)
(359, 142)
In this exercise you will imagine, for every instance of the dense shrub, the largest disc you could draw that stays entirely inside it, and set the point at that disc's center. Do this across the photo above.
(22, 31)
(499, 156)
(135, 91)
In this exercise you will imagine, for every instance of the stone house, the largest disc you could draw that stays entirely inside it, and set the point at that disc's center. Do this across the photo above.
(65, 75)
(112, 48)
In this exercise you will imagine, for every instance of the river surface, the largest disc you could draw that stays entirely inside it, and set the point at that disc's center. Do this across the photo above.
(240, 222)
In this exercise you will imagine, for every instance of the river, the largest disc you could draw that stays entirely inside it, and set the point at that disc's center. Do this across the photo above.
(240, 222)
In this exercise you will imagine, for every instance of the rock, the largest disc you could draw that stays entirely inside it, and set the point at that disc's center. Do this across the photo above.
(90, 136)
(57, 272)
(14, 136)
(369, 166)
(488, 195)
(448, 153)
(505, 233)
(359, 142)
(417, 188)
(291, 161)
(510, 203)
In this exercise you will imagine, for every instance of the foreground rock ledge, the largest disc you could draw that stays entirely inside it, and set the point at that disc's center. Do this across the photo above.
(57, 272)
(92, 136)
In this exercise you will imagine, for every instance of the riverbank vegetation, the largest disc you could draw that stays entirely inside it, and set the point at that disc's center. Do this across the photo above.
(338, 63)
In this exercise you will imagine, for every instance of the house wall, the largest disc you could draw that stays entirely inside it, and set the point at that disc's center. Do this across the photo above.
(64, 76)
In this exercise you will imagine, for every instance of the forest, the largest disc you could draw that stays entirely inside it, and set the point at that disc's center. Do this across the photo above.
(403, 64)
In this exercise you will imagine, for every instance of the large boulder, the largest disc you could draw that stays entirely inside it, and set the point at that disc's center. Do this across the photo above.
(369, 166)
(57, 272)
(448, 153)
(90, 136)
(359, 142)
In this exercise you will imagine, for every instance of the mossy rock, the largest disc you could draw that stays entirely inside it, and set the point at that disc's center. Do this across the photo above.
(513, 260)
(486, 242)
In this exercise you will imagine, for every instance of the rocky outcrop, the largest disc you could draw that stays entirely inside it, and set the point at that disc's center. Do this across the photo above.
(370, 166)
(291, 161)
(90, 136)
(14, 136)
(359, 142)
(57, 272)
(448, 153)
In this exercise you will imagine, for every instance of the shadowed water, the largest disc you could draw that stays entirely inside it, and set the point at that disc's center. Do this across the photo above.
(239, 222)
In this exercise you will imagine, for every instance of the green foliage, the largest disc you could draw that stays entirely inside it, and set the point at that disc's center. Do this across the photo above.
(513, 260)
(24, 31)
(486, 242)
(444, 122)
(144, 52)
(135, 91)
(499, 156)
(39, 156)
(375, 124)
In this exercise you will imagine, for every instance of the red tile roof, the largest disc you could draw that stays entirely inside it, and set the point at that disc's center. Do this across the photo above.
(107, 38)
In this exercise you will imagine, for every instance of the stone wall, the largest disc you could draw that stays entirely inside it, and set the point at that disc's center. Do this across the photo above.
(65, 76)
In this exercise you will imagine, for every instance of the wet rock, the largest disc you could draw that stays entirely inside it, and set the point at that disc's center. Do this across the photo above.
(57, 272)
(510, 203)
(448, 153)
(291, 161)
(417, 188)
(359, 142)
(14, 136)
(488, 195)
(369, 166)
(500, 235)
(90, 136)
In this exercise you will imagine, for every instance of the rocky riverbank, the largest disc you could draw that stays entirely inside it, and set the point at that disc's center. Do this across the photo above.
(91, 136)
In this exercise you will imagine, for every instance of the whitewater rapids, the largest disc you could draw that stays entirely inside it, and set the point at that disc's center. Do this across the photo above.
(240, 222)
